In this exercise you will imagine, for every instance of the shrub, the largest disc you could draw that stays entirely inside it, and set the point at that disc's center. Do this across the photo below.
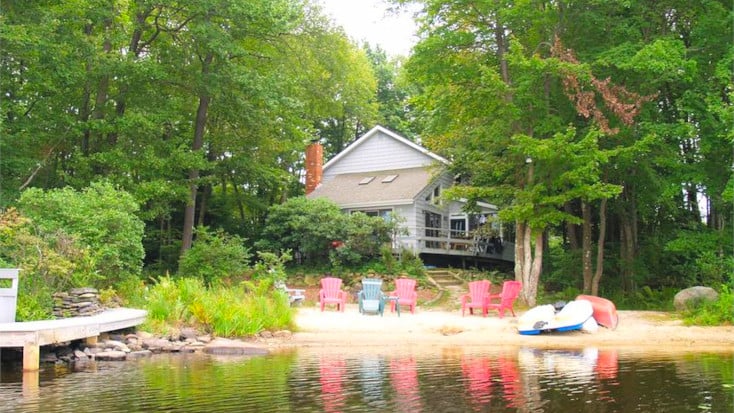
(100, 219)
(712, 313)
(48, 262)
(310, 228)
(307, 227)
(214, 256)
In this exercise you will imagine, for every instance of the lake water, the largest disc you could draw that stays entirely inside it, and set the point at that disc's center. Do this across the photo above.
(355, 380)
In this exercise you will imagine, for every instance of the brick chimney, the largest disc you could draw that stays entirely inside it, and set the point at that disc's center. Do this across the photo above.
(314, 165)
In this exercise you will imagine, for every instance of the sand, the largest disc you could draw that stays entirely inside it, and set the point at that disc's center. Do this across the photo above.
(429, 329)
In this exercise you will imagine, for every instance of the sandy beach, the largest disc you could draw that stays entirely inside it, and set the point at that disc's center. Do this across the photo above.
(428, 328)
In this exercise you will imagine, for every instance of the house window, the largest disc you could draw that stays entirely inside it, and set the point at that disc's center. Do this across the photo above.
(385, 213)
(388, 179)
(433, 229)
(458, 227)
(434, 196)
(366, 180)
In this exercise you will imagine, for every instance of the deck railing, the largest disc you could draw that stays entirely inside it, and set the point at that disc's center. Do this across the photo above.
(452, 242)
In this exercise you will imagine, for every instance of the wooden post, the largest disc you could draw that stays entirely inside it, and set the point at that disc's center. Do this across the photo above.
(30, 384)
(31, 356)
(91, 341)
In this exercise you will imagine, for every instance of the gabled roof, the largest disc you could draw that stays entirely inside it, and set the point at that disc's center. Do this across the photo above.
(374, 131)
(393, 187)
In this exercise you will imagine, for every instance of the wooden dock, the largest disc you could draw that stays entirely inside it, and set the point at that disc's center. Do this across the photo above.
(31, 335)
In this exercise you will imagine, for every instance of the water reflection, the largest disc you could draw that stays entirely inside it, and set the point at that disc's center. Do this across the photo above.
(404, 378)
(332, 375)
(350, 380)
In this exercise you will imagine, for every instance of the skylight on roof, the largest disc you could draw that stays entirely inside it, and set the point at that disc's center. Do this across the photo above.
(388, 179)
(366, 180)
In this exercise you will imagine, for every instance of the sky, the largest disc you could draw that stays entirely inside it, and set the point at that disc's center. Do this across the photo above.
(370, 20)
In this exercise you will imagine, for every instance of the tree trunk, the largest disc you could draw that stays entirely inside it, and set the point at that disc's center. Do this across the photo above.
(199, 129)
(627, 217)
(203, 205)
(600, 248)
(528, 263)
(586, 246)
(571, 229)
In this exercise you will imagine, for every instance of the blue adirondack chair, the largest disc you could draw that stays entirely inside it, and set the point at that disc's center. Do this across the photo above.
(371, 298)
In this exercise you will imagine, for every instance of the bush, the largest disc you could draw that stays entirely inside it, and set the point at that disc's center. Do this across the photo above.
(48, 262)
(100, 219)
(214, 256)
(306, 227)
(318, 232)
(713, 313)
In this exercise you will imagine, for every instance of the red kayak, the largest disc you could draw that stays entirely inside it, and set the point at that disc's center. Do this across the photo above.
(605, 312)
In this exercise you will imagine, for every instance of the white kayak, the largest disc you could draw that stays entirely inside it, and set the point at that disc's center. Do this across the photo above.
(544, 318)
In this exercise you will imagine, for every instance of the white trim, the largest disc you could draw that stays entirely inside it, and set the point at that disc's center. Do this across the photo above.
(380, 204)
(389, 133)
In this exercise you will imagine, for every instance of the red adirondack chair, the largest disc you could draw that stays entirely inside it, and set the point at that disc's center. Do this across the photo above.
(331, 293)
(510, 291)
(477, 298)
(405, 291)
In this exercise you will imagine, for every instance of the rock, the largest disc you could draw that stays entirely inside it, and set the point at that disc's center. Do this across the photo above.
(49, 358)
(193, 347)
(111, 355)
(188, 332)
(80, 355)
(157, 345)
(283, 334)
(204, 339)
(139, 354)
(691, 297)
(80, 291)
(116, 345)
(266, 334)
(223, 346)
(142, 335)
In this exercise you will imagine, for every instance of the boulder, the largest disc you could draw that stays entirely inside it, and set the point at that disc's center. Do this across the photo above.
(111, 355)
(226, 347)
(691, 297)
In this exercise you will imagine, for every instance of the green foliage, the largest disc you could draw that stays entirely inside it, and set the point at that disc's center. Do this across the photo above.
(318, 231)
(696, 257)
(306, 227)
(214, 256)
(272, 266)
(100, 219)
(645, 298)
(412, 264)
(713, 313)
(388, 259)
(49, 262)
(234, 311)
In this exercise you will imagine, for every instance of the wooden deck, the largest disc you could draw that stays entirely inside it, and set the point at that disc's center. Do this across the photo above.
(31, 335)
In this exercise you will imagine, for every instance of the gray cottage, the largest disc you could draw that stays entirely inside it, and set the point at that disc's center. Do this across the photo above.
(385, 174)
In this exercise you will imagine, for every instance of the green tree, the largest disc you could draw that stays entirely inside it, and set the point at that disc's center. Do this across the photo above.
(199, 110)
(392, 92)
(493, 84)
(101, 218)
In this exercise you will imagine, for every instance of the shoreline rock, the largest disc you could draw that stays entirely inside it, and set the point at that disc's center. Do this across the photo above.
(120, 346)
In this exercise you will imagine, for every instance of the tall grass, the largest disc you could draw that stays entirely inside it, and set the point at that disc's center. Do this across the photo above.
(227, 311)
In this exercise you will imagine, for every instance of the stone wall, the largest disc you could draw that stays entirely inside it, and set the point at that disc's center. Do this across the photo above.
(77, 302)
